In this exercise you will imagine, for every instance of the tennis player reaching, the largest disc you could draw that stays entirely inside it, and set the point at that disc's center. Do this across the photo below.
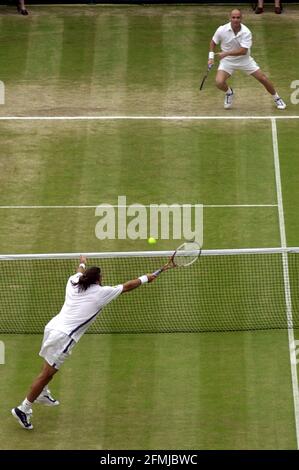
(235, 40)
(85, 298)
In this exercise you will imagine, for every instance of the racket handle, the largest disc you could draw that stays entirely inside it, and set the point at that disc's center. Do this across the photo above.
(159, 271)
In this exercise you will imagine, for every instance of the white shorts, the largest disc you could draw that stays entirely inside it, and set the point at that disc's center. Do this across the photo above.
(56, 347)
(247, 65)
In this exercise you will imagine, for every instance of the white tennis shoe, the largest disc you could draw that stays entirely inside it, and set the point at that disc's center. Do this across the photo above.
(228, 100)
(280, 104)
(45, 398)
(22, 418)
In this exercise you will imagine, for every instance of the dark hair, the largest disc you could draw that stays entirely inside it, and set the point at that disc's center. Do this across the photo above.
(90, 276)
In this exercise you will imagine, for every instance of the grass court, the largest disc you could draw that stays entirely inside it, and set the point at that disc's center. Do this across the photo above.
(74, 79)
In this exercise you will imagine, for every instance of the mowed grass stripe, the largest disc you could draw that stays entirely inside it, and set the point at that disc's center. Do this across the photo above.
(109, 64)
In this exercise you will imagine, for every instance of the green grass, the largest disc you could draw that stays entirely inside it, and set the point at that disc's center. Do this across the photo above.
(178, 391)
(127, 60)
(288, 144)
(213, 391)
(184, 162)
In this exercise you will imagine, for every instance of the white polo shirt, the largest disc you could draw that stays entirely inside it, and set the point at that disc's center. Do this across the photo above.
(230, 41)
(80, 309)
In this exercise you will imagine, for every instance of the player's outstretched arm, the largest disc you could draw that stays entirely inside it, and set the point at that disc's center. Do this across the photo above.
(130, 285)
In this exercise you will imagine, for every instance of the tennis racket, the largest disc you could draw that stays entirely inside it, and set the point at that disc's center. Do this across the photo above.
(185, 255)
(205, 77)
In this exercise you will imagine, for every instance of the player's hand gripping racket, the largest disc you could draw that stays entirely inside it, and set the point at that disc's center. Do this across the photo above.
(185, 255)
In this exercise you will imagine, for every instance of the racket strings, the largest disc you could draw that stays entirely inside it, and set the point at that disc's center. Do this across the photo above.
(186, 254)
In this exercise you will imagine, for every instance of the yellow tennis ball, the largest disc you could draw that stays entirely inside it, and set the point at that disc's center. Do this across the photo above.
(151, 240)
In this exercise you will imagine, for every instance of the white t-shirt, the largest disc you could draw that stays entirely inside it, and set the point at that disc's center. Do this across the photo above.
(230, 41)
(80, 309)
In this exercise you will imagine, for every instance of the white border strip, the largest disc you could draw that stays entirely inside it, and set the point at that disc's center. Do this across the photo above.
(286, 279)
(140, 254)
(136, 118)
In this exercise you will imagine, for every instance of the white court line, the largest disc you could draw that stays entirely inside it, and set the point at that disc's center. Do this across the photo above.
(157, 118)
(143, 205)
(286, 279)
(240, 205)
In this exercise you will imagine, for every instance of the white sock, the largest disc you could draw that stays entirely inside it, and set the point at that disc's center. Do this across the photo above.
(276, 96)
(25, 406)
(229, 91)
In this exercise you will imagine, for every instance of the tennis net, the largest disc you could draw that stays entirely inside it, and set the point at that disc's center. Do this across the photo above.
(226, 290)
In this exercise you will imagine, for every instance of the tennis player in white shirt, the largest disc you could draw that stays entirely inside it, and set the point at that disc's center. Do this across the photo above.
(85, 298)
(235, 40)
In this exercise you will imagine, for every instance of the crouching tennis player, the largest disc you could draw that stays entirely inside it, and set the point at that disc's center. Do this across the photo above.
(236, 40)
(85, 297)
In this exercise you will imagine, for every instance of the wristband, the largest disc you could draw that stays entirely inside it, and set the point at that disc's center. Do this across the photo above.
(82, 265)
(211, 55)
(143, 279)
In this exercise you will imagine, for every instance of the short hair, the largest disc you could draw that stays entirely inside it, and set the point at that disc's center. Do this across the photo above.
(236, 9)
